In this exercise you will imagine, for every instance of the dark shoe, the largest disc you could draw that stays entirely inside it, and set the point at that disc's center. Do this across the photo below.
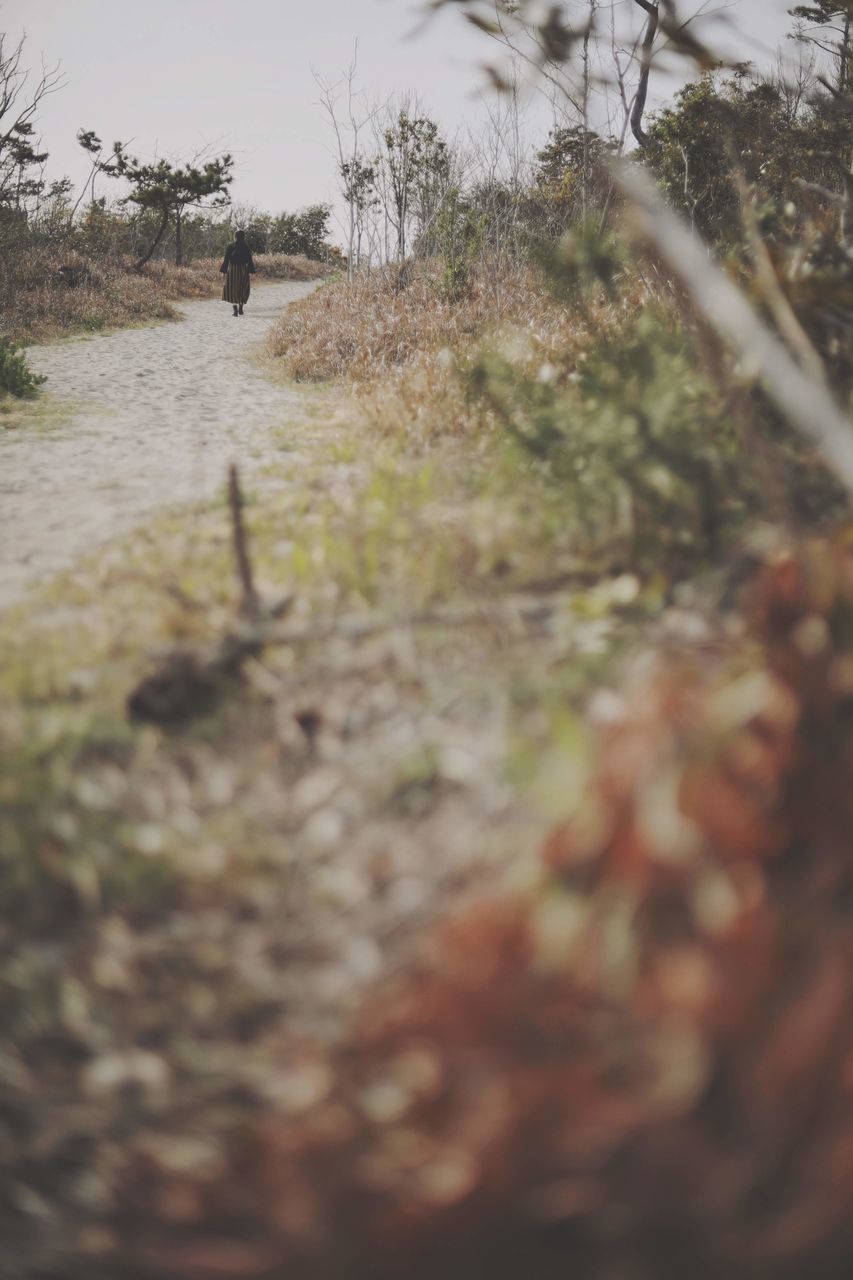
(235, 311)
(239, 310)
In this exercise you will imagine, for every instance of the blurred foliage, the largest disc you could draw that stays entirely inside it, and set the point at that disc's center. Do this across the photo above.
(635, 1065)
(828, 26)
(638, 1065)
(658, 459)
(815, 270)
(784, 151)
(639, 441)
(174, 900)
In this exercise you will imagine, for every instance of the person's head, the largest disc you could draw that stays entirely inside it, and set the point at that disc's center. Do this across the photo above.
(240, 237)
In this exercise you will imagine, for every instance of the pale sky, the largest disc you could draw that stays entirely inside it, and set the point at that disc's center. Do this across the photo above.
(174, 75)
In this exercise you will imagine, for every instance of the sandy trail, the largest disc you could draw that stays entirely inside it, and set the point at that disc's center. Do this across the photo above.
(158, 413)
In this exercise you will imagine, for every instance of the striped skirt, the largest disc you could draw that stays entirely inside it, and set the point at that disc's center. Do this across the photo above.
(236, 287)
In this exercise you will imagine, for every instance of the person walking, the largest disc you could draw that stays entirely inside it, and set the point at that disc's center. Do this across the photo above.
(237, 266)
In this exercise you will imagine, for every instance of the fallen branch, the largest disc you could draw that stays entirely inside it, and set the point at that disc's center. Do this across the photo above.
(355, 627)
(188, 684)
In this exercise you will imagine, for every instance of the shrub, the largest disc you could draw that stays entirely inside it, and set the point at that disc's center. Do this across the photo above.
(615, 392)
(290, 266)
(304, 233)
(692, 145)
(458, 238)
(16, 376)
(661, 450)
(636, 437)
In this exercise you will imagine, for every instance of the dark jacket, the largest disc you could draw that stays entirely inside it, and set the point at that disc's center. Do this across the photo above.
(238, 253)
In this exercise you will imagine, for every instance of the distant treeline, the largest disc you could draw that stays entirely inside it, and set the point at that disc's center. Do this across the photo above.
(103, 229)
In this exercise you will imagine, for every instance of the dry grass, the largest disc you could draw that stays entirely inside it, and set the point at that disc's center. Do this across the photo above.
(359, 331)
(49, 292)
(409, 353)
(38, 303)
(285, 266)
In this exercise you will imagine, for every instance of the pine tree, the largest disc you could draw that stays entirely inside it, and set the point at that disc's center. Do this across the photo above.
(170, 190)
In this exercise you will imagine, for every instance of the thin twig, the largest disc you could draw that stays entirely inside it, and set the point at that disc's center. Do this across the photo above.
(359, 628)
(250, 602)
(187, 684)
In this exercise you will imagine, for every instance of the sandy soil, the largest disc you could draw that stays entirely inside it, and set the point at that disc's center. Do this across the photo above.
(158, 413)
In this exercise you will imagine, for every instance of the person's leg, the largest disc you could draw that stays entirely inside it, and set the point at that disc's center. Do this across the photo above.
(235, 308)
(240, 308)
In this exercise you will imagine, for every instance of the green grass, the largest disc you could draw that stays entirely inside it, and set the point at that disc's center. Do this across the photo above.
(44, 413)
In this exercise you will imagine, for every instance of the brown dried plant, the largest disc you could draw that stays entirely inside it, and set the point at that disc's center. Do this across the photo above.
(48, 292)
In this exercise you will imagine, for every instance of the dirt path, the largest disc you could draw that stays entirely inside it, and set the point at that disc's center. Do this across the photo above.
(158, 414)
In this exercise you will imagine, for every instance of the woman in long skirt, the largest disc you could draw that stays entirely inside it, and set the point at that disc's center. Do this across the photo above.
(237, 266)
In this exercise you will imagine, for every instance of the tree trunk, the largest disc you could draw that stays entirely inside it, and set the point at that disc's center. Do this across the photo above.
(179, 241)
(646, 66)
(844, 69)
(159, 236)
